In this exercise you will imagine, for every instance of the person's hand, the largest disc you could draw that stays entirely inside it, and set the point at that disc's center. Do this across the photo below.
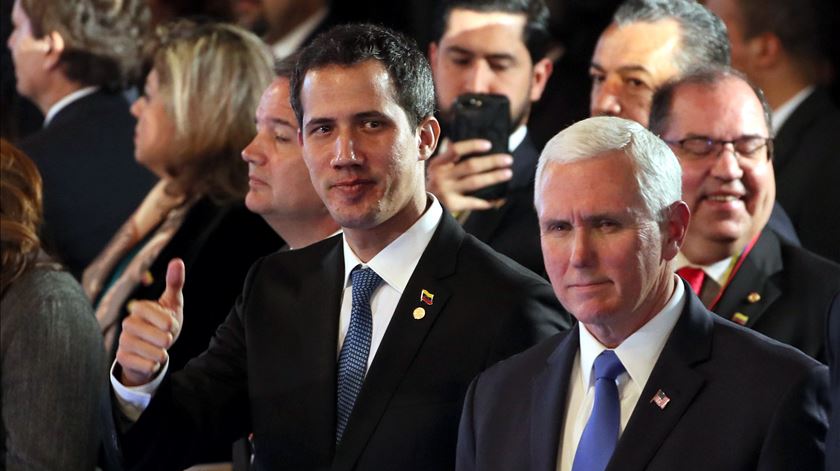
(150, 329)
(451, 178)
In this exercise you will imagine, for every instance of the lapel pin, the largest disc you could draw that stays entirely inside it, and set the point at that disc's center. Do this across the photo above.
(427, 297)
(740, 318)
(419, 313)
(660, 399)
(753, 297)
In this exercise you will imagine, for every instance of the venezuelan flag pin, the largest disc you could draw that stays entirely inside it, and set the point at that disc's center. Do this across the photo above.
(427, 297)
(740, 318)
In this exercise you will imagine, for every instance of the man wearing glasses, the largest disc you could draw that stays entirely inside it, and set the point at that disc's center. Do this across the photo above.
(718, 124)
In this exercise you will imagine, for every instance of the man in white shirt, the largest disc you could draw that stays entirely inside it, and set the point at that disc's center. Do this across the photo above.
(71, 59)
(648, 379)
(354, 352)
(719, 127)
(781, 46)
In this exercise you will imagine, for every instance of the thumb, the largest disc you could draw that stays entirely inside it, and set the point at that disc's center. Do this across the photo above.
(173, 296)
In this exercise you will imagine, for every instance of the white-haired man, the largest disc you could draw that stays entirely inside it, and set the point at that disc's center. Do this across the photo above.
(648, 379)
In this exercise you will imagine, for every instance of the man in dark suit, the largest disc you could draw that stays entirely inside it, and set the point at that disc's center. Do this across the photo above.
(832, 440)
(496, 47)
(718, 125)
(355, 352)
(648, 379)
(71, 66)
(782, 47)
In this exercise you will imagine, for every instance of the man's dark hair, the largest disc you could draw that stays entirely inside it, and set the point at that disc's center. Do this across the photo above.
(285, 67)
(710, 77)
(798, 26)
(535, 35)
(349, 45)
(703, 42)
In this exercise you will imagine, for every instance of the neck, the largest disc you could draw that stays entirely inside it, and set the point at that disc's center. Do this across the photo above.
(620, 327)
(367, 242)
(59, 88)
(300, 234)
(782, 83)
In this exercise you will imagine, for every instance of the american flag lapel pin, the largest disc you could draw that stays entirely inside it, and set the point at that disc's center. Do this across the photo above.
(660, 399)
(427, 297)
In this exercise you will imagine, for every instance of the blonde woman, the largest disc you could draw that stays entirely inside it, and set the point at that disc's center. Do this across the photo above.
(53, 366)
(194, 118)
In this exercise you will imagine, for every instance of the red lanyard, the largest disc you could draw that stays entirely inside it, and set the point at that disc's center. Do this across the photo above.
(734, 270)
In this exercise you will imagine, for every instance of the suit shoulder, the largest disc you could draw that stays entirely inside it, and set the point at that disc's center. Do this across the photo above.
(520, 368)
(478, 256)
(804, 266)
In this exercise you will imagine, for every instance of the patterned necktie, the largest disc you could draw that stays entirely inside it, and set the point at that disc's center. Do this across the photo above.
(600, 435)
(694, 276)
(352, 361)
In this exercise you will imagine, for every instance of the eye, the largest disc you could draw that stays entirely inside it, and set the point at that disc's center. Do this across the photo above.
(607, 225)
(559, 227)
(635, 83)
(500, 66)
(321, 130)
(597, 77)
(372, 124)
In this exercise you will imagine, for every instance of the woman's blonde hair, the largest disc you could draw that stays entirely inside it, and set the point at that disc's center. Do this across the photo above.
(20, 213)
(211, 77)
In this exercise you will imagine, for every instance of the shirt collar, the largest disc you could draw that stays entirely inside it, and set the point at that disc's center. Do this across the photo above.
(717, 271)
(517, 137)
(396, 262)
(783, 112)
(640, 351)
(289, 43)
(62, 103)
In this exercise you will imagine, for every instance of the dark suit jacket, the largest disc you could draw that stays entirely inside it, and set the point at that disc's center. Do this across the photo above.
(832, 441)
(513, 229)
(796, 291)
(271, 369)
(91, 182)
(738, 401)
(807, 165)
(218, 244)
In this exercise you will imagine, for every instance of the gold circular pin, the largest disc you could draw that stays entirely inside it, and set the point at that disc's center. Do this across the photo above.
(753, 297)
(419, 313)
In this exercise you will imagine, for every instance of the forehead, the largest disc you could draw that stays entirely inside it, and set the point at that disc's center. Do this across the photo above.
(725, 110)
(469, 26)
(336, 89)
(275, 99)
(651, 46)
(602, 184)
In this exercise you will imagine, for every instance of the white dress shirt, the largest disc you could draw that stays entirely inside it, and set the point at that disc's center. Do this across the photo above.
(293, 40)
(394, 264)
(718, 271)
(783, 112)
(66, 100)
(638, 353)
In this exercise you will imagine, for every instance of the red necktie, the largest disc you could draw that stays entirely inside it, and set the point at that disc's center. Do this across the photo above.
(694, 276)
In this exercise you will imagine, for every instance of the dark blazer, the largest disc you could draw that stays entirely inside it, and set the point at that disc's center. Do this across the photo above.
(738, 401)
(807, 164)
(513, 229)
(271, 369)
(91, 182)
(796, 291)
(218, 244)
(832, 441)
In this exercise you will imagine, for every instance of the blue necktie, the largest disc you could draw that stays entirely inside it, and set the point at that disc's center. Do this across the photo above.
(352, 361)
(600, 435)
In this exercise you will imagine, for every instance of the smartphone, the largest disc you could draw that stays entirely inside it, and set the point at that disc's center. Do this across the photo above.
(483, 116)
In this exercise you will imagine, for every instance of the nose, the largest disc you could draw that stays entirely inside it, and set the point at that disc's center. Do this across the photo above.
(345, 152)
(478, 78)
(605, 98)
(137, 107)
(582, 253)
(253, 152)
(727, 165)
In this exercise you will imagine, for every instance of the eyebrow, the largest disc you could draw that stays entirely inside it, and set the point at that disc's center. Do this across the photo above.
(622, 69)
(495, 55)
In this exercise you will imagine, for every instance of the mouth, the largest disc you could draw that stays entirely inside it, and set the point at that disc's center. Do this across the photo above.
(352, 186)
(588, 284)
(254, 181)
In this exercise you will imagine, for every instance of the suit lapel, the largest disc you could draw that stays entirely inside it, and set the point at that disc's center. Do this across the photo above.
(755, 277)
(674, 375)
(549, 391)
(403, 339)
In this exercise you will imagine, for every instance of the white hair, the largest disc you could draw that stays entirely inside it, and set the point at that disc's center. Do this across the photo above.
(657, 171)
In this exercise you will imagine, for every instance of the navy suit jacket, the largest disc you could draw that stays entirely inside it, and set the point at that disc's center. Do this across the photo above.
(832, 441)
(271, 368)
(513, 228)
(796, 292)
(738, 401)
(92, 183)
(807, 165)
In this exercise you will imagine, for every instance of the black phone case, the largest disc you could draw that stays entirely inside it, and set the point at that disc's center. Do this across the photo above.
(483, 116)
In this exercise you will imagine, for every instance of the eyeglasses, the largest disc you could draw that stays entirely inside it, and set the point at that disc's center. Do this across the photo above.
(746, 147)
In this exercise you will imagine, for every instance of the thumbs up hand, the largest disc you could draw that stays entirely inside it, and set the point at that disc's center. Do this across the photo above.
(150, 329)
